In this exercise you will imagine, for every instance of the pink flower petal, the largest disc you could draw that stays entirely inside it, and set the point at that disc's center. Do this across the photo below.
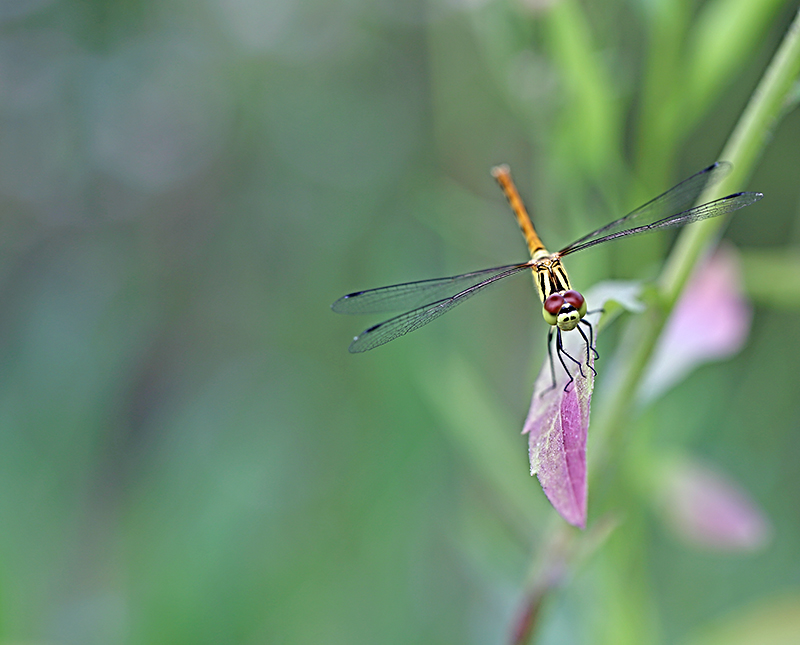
(707, 509)
(710, 322)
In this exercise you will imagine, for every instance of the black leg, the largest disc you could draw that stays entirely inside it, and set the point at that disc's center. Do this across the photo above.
(589, 347)
(591, 337)
(561, 354)
(559, 350)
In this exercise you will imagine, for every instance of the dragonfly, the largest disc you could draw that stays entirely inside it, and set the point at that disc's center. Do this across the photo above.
(563, 308)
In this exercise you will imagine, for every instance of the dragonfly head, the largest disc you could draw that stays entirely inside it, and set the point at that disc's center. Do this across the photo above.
(564, 310)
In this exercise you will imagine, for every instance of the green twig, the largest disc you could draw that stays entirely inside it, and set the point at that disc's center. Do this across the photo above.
(744, 147)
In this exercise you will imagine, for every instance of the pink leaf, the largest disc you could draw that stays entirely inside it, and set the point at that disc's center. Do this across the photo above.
(557, 426)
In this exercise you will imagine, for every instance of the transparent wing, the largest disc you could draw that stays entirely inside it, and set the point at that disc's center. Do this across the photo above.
(676, 200)
(411, 295)
(416, 318)
(704, 211)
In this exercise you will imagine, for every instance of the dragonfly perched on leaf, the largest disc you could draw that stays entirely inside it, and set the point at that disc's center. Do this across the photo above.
(563, 308)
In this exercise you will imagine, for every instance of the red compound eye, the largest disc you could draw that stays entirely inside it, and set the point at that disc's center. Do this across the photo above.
(554, 303)
(573, 298)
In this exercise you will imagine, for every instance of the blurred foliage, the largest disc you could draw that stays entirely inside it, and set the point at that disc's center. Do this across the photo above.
(187, 452)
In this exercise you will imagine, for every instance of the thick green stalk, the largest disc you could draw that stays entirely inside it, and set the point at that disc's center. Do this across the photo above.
(751, 134)
(743, 149)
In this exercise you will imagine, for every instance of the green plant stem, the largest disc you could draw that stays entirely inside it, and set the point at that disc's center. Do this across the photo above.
(743, 149)
(745, 145)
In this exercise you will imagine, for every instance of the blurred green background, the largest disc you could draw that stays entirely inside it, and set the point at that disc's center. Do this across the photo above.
(188, 454)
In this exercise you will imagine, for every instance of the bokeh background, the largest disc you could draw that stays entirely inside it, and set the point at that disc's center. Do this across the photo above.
(188, 454)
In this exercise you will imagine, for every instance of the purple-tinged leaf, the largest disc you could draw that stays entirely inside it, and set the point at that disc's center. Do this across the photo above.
(707, 509)
(711, 321)
(558, 419)
(557, 426)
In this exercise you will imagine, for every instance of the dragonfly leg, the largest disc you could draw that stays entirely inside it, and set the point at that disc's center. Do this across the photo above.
(561, 353)
(591, 338)
(589, 347)
(591, 329)
(559, 350)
